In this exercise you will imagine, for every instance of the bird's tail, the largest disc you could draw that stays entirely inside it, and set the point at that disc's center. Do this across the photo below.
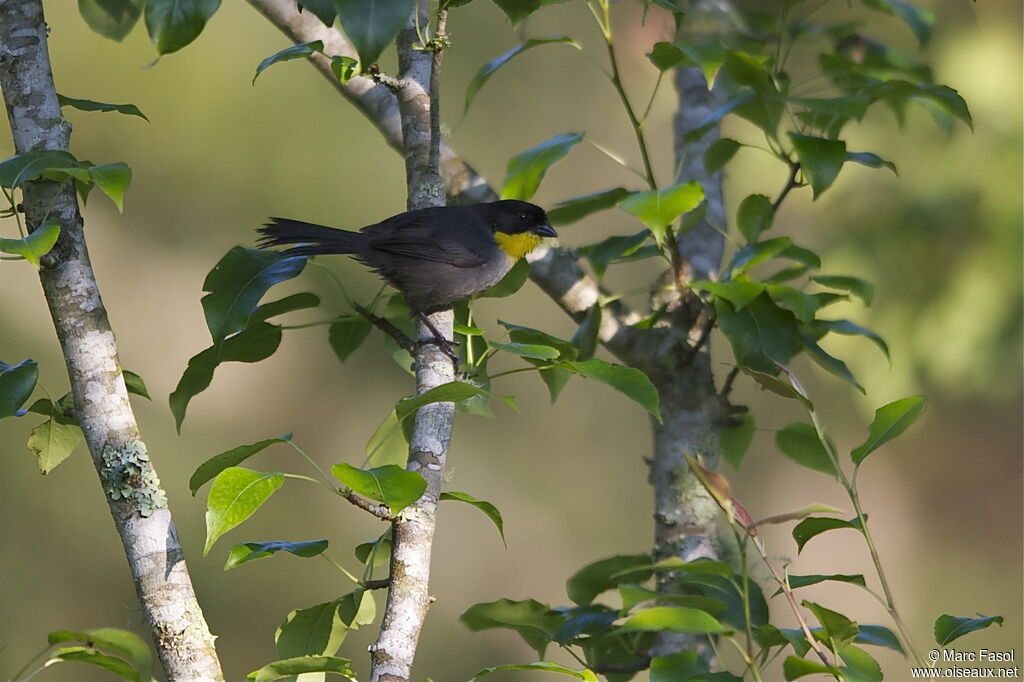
(311, 239)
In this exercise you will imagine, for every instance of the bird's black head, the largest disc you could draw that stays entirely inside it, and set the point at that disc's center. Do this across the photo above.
(515, 217)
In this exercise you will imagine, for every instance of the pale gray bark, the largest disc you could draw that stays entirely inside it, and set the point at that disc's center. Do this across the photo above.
(412, 533)
(136, 500)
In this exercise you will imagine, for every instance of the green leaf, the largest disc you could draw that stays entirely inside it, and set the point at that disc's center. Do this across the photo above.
(735, 440)
(112, 179)
(607, 574)
(231, 458)
(839, 629)
(831, 364)
(135, 384)
(92, 656)
(313, 631)
(390, 484)
(517, 10)
(252, 344)
(685, 665)
(850, 329)
(798, 581)
(577, 208)
(347, 333)
(612, 249)
(541, 666)
(860, 666)
(488, 69)
(344, 67)
(587, 335)
(658, 209)
(526, 170)
(323, 9)
(452, 392)
(299, 665)
(726, 590)
(21, 168)
(535, 622)
(88, 104)
(816, 525)
(526, 350)
(804, 306)
(238, 282)
(372, 25)
(919, 20)
(750, 255)
(763, 336)
(764, 104)
(284, 306)
(878, 635)
(890, 421)
(795, 667)
(173, 24)
(629, 381)
(673, 619)
(298, 51)
(871, 160)
(820, 159)
(754, 216)
(16, 385)
(123, 643)
(235, 495)
(54, 440)
(779, 387)
(36, 245)
(949, 628)
(860, 288)
(739, 294)
(250, 551)
(713, 119)
(113, 20)
(388, 444)
(800, 443)
(719, 153)
(489, 510)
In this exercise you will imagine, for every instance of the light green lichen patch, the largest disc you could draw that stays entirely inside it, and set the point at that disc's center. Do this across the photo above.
(127, 475)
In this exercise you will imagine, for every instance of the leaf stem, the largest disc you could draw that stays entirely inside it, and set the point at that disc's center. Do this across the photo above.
(326, 479)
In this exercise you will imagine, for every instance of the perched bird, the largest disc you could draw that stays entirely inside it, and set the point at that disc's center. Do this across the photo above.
(434, 256)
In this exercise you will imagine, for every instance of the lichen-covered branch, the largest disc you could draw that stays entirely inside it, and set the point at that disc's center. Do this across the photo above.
(137, 502)
(412, 532)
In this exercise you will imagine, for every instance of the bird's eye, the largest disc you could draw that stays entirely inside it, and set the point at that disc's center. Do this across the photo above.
(522, 216)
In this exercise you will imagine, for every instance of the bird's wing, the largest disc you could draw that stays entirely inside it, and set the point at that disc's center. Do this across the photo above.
(463, 246)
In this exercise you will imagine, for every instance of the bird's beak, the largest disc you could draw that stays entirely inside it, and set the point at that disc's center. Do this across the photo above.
(546, 230)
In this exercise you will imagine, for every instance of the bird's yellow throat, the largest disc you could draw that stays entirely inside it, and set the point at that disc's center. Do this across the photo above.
(517, 245)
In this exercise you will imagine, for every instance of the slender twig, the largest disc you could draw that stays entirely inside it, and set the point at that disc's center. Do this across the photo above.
(379, 584)
(381, 511)
(727, 385)
(791, 184)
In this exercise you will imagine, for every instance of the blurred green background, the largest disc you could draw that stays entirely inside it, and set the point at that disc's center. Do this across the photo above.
(942, 242)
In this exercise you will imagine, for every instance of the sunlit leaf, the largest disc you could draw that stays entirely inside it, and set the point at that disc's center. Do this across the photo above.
(54, 440)
(673, 619)
(303, 664)
(890, 421)
(526, 170)
(123, 643)
(36, 245)
(235, 495)
(389, 484)
(658, 209)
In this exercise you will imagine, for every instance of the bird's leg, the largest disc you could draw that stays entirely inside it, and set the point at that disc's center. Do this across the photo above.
(447, 347)
(385, 326)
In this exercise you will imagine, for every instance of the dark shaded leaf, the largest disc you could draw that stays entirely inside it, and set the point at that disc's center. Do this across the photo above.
(577, 208)
(850, 329)
(949, 628)
(238, 282)
(297, 51)
(816, 525)
(612, 249)
(372, 25)
(540, 666)
(719, 153)
(738, 293)
(233, 457)
(322, 9)
(89, 105)
(754, 215)
(860, 288)
(16, 385)
(919, 20)
(488, 69)
(820, 159)
(839, 629)
(750, 255)
(135, 384)
(762, 335)
(795, 667)
(800, 443)
(586, 338)
(606, 574)
(489, 510)
(831, 364)
(798, 581)
(95, 657)
(871, 160)
(629, 381)
(173, 24)
(512, 282)
(878, 635)
(250, 551)
(347, 333)
(112, 19)
(735, 440)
